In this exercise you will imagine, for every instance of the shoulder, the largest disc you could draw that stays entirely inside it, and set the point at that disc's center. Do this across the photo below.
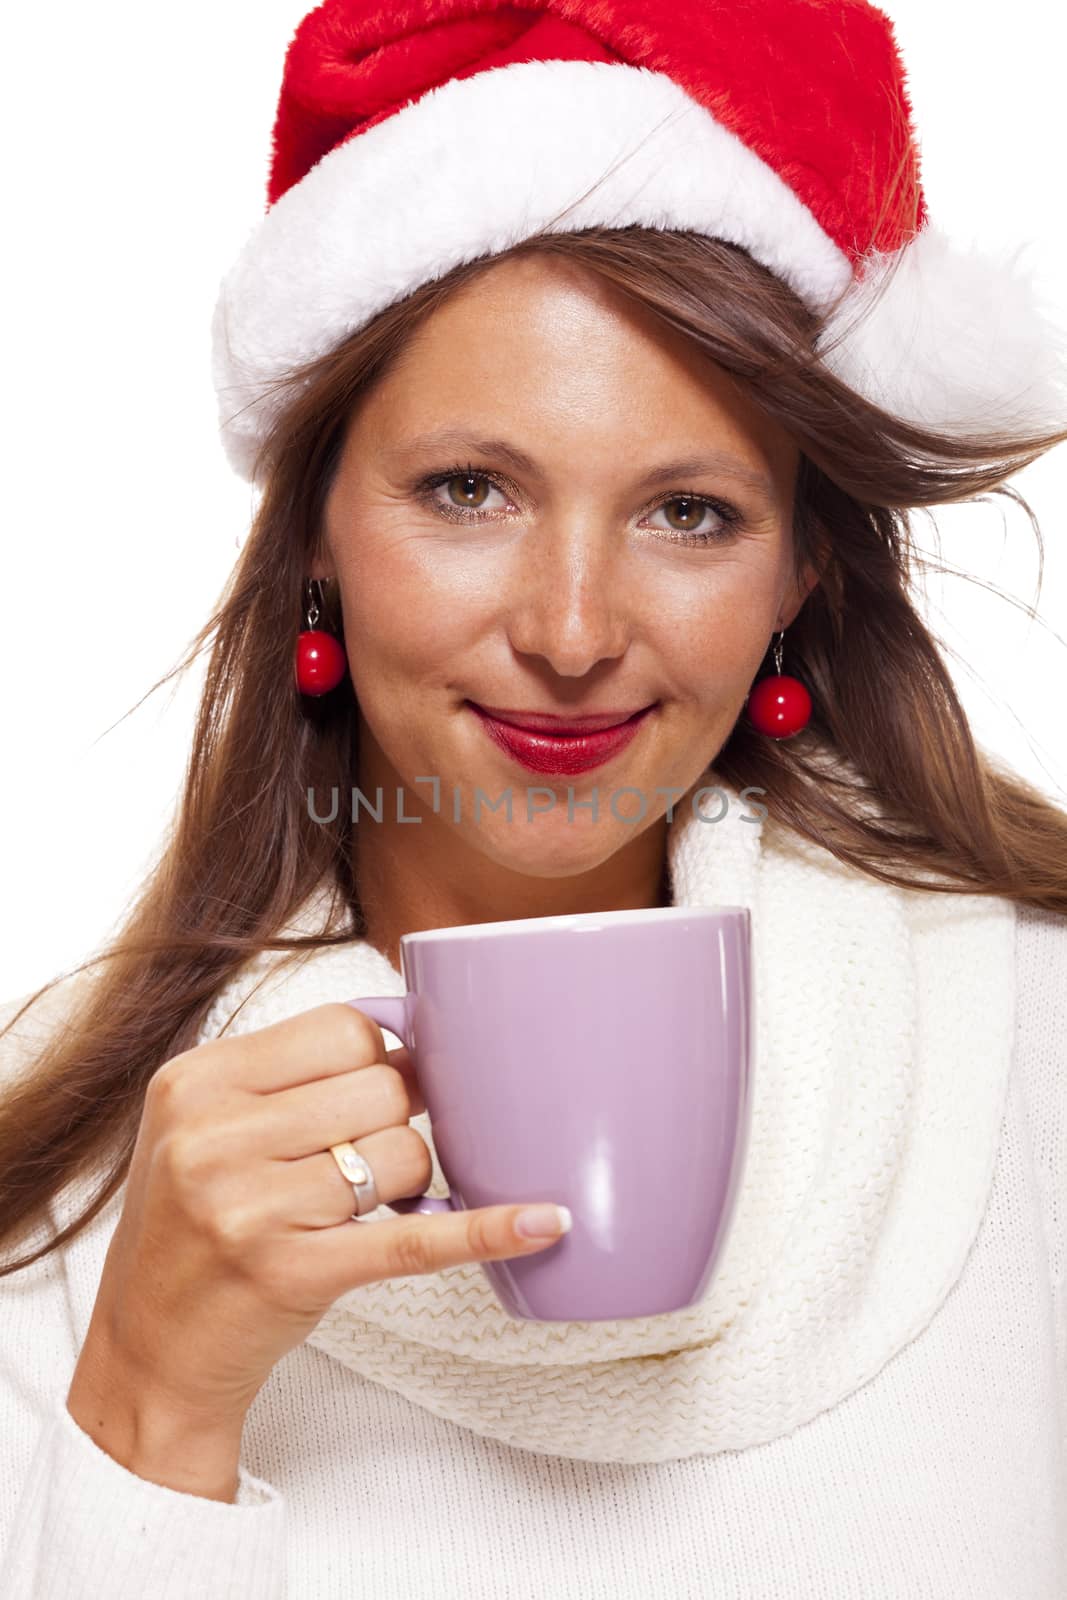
(22, 1039)
(1041, 959)
(1041, 1031)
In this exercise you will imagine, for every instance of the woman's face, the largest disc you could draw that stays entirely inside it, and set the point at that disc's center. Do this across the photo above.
(593, 574)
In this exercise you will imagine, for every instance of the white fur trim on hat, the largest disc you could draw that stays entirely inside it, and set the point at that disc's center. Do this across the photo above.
(480, 163)
(952, 339)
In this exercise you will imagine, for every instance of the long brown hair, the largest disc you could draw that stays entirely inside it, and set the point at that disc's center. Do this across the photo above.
(244, 852)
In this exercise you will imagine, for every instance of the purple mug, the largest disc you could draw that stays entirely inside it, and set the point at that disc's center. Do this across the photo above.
(602, 1061)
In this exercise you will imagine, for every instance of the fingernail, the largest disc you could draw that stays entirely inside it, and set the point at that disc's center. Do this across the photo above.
(541, 1222)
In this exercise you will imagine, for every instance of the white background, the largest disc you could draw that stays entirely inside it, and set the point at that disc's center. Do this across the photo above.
(137, 145)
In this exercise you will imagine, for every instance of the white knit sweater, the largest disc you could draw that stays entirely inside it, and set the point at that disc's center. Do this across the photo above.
(943, 1476)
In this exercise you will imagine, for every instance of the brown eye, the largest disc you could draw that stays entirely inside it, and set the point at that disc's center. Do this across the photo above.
(468, 496)
(465, 491)
(692, 513)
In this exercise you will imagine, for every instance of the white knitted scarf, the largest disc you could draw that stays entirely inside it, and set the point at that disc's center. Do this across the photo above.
(883, 1039)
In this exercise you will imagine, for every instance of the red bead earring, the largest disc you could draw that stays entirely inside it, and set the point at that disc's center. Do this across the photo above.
(320, 658)
(778, 706)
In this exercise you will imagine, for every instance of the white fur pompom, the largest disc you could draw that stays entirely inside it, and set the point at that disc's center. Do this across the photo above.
(957, 340)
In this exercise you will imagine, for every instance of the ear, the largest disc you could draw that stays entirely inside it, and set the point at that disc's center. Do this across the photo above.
(798, 593)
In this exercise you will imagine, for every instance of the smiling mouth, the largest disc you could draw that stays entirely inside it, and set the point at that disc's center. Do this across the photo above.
(561, 753)
(558, 726)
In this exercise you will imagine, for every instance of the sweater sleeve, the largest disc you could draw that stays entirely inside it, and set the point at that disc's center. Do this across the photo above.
(74, 1522)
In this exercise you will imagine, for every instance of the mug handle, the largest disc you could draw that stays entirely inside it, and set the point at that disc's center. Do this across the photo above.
(392, 1012)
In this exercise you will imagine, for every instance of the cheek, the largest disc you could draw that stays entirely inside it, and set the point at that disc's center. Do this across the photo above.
(718, 634)
(406, 619)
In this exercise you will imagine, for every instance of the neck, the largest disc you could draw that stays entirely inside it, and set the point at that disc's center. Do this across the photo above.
(404, 888)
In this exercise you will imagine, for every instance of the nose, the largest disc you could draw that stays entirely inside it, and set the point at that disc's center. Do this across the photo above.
(570, 600)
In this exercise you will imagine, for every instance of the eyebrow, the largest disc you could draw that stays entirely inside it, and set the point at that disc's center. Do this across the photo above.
(710, 461)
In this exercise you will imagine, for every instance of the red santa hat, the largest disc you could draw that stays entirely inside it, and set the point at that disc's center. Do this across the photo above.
(411, 137)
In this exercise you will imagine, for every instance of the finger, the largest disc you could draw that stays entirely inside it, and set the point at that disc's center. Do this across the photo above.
(319, 1043)
(313, 1116)
(313, 1192)
(401, 1059)
(332, 1260)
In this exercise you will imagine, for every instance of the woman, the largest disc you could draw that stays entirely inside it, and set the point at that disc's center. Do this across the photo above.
(572, 387)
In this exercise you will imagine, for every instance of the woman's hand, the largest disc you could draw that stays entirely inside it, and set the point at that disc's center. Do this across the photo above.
(235, 1234)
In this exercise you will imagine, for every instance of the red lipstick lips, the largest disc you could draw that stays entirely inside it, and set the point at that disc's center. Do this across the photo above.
(564, 745)
(548, 722)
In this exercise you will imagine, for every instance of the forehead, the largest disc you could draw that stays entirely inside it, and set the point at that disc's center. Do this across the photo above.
(537, 351)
